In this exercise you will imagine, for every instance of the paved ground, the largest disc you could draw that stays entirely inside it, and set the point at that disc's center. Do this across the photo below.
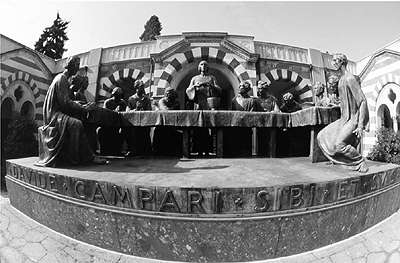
(24, 240)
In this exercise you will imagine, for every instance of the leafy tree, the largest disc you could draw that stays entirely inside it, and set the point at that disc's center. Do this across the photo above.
(51, 42)
(152, 28)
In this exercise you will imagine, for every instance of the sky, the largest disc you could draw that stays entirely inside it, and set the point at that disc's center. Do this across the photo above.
(356, 29)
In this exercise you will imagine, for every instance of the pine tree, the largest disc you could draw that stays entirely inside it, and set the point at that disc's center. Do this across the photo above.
(51, 42)
(152, 28)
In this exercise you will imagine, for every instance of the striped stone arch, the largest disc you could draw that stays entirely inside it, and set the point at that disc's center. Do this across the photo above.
(28, 79)
(302, 86)
(372, 95)
(107, 84)
(164, 77)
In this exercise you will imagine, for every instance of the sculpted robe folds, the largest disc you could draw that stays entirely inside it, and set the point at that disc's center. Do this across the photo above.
(337, 140)
(62, 136)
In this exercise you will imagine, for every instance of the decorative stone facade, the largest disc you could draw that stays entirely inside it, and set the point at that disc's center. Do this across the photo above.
(380, 81)
(170, 61)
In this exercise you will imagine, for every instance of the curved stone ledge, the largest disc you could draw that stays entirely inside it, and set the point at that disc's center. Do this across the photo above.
(234, 231)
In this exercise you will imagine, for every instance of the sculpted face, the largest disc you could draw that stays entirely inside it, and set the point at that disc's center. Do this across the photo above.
(336, 62)
(332, 86)
(288, 97)
(203, 66)
(318, 88)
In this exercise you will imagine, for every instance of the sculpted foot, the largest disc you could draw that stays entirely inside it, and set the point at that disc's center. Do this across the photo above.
(363, 168)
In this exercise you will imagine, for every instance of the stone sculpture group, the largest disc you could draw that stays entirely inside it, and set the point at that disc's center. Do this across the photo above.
(70, 122)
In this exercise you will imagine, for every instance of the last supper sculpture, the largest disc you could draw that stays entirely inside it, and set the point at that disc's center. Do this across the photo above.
(256, 185)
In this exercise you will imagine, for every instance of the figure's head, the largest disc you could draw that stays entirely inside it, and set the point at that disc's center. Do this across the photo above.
(79, 82)
(139, 87)
(244, 87)
(72, 65)
(287, 97)
(338, 60)
(170, 94)
(318, 88)
(262, 88)
(117, 93)
(332, 84)
(203, 66)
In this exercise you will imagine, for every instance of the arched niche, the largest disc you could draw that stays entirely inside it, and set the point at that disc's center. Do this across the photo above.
(384, 119)
(7, 112)
(226, 79)
(27, 110)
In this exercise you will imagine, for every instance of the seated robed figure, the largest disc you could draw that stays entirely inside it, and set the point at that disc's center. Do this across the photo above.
(111, 137)
(62, 138)
(204, 91)
(267, 101)
(332, 90)
(319, 97)
(141, 142)
(167, 140)
(289, 104)
(238, 140)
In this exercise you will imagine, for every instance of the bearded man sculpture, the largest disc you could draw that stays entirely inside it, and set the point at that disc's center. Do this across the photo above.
(62, 138)
(339, 140)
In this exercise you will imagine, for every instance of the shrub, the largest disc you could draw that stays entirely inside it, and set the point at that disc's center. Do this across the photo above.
(20, 142)
(387, 147)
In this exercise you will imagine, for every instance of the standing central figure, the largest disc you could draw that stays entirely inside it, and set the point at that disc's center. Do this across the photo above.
(203, 88)
(205, 93)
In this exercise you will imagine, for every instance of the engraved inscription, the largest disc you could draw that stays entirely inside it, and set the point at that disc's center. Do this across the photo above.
(194, 202)
(145, 196)
(121, 195)
(262, 204)
(79, 189)
(98, 194)
(296, 197)
(169, 202)
(205, 201)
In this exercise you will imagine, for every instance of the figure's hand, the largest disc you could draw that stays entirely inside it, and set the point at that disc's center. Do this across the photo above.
(358, 132)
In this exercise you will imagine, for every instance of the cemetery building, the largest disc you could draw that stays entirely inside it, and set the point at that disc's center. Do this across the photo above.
(171, 61)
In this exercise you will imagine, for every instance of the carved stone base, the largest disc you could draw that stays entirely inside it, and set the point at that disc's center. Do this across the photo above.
(206, 210)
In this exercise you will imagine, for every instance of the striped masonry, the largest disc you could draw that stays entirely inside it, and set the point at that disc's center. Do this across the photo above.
(385, 71)
(302, 86)
(108, 83)
(38, 94)
(163, 77)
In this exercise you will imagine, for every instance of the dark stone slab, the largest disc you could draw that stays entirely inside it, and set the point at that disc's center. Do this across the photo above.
(188, 214)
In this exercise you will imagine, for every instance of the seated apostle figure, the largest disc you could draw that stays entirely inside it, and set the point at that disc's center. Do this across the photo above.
(267, 101)
(238, 140)
(167, 140)
(140, 143)
(110, 137)
(62, 138)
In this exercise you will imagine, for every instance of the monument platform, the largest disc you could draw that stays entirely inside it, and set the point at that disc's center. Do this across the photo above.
(206, 210)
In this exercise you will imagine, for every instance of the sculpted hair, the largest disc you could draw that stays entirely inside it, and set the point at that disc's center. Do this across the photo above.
(138, 84)
(71, 61)
(341, 57)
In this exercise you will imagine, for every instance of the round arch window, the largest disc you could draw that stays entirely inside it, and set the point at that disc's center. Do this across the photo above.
(384, 118)
(7, 108)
